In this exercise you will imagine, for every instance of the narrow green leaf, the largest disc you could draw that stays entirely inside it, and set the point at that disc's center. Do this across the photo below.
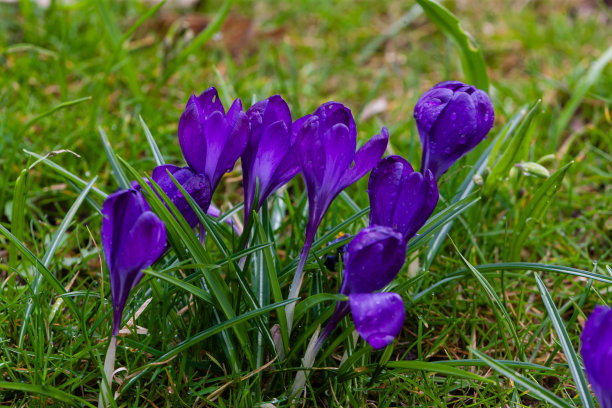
(18, 216)
(496, 302)
(582, 385)
(470, 53)
(62, 105)
(535, 210)
(47, 391)
(314, 300)
(159, 159)
(580, 90)
(184, 345)
(535, 390)
(436, 368)
(118, 172)
(512, 153)
(46, 261)
(194, 290)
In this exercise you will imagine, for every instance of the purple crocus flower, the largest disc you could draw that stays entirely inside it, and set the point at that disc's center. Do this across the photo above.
(133, 238)
(212, 141)
(197, 185)
(378, 317)
(400, 197)
(327, 140)
(452, 118)
(270, 155)
(597, 353)
(371, 261)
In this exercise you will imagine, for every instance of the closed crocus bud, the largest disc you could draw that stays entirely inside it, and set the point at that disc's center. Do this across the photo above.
(452, 118)
(372, 260)
(212, 141)
(133, 238)
(597, 353)
(197, 185)
(270, 155)
(378, 317)
(401, 198)
(327, 140)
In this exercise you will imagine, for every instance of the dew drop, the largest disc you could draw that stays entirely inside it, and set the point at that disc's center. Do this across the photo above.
(453, 116)
(447, 150)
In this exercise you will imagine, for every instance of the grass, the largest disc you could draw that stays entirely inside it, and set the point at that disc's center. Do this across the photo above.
(494, 304)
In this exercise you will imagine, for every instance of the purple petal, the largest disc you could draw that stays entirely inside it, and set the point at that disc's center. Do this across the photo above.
(367, 157)
(197, 185)
(378, 317)
(372, 260)
(191, 135)
(597, 353)
(210, 102)
(401, 198)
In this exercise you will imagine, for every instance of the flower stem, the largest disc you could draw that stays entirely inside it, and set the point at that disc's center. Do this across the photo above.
(109, 367)
(298, 278)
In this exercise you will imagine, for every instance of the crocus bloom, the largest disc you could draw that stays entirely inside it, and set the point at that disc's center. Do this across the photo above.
(597, 353)
(378, 317)
(133, 238)
(212, 141)
(452, 118)
(270, 155)
(327, 140)
(197, 185)
(371, 261)
(400, 197)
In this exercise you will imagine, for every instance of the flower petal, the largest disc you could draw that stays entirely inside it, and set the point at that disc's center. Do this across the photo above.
(367, 157)
(596, 353)
(378, 317)
(192, 138)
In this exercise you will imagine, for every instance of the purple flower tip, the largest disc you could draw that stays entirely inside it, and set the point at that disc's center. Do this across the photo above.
(452, 118)
(270, 155)
(212, 141)
(597, 353)
(378, 317)
(327, 140)
(372, 260)
(401, 198)
(133, 238)
(197, 185)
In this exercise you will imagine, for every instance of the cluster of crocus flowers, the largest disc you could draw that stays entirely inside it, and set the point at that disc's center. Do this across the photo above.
(597, 353)
(452, 119)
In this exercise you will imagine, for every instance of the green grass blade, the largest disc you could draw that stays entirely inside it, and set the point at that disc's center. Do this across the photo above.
(198, 42)
(76, 180)
(470, 53)
(187, 287)
(535, 210)
(516, 147)
(51, 111)
(184, 345)
(582, 385)
(436, 368)
(47, 391)
(535, 390)
(580, 90)
(159, 159)
(118, 172)
(46, 260)
(18, 216)
(496, 302)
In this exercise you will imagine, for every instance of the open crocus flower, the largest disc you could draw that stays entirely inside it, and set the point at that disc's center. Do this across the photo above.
(197, 185)
(452, 118)
(597, 353)
(270, 155)
(327, 140)
(133, 238)
(371, 261)
(400, 197)
(212, 141)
